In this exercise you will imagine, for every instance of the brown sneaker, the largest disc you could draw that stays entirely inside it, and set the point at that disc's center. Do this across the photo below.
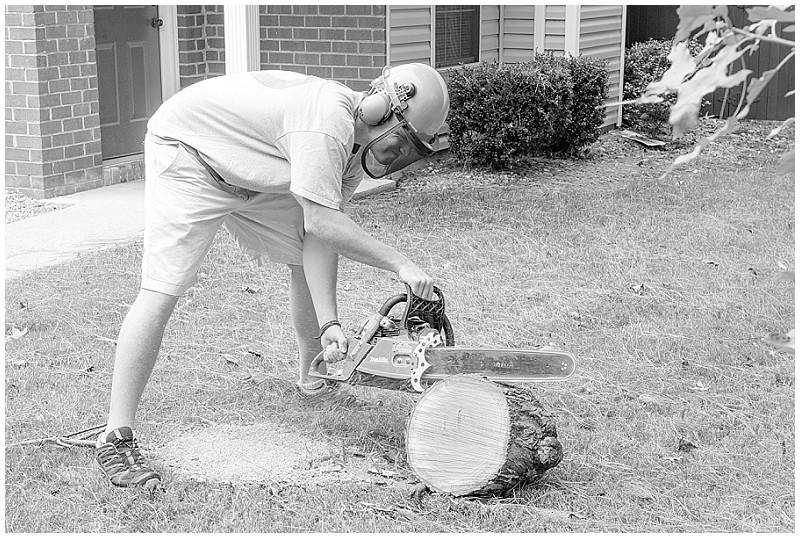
(121, 460)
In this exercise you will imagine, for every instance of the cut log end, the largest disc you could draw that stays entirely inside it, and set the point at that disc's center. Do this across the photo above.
(470, 436)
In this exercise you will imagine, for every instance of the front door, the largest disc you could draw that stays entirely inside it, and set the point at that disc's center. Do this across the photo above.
(129, 75)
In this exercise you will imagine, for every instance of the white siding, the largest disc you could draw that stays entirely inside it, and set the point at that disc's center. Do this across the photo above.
(490, 34)
(410, 34)
(601, 36)
(555, 29)
(518, 33)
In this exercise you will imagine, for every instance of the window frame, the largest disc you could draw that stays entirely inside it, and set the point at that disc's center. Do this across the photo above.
(434, 61)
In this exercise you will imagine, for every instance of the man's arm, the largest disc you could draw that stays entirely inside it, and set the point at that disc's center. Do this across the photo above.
(320, 265)
(343, 236)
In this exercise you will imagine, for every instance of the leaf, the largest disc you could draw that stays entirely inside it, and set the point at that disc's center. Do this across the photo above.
(700, 387)
(681, 65)
(386, 473)
(693, 17)
(16, 333)
(684, 113)
(780, 127)
(761, 13)
(730, 126)
(755, 87)
(786, 163)
(639, 491)
(784, 342)
(653, 399)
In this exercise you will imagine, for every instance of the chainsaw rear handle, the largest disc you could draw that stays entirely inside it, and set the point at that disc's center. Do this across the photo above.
(415, 304)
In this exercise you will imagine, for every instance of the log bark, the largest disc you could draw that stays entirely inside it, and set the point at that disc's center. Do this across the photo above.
(471, 436)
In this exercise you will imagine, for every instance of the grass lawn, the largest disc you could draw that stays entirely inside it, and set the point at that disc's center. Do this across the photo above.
(679, 418)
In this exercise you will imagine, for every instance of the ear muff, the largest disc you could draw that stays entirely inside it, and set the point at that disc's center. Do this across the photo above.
(375, 108)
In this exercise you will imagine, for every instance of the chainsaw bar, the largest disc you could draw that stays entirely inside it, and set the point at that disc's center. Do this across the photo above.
(496, 364)
(395, 364)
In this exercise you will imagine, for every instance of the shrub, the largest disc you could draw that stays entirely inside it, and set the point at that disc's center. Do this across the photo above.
(646, 62)
(589, 90)
(502, 114)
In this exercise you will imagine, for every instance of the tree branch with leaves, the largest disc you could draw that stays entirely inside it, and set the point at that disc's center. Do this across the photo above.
(692, 78)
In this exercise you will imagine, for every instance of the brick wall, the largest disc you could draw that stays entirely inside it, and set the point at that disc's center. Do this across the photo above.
(201, 43)
(344, 43)
(52, 103)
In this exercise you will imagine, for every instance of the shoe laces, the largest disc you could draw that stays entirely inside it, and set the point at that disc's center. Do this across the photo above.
(128, 449)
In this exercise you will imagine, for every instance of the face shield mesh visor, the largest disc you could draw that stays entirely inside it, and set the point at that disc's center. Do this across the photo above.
(400, 148)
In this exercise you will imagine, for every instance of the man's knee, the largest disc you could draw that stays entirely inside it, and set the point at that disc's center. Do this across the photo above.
(156, 302)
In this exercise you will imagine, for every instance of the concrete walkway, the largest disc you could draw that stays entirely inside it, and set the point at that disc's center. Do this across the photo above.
(94, 220)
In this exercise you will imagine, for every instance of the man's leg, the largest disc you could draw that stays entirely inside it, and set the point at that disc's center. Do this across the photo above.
(138, 345)
(137, 349)
(304, 320)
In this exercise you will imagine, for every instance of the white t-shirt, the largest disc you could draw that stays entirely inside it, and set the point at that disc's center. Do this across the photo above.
(270, 131)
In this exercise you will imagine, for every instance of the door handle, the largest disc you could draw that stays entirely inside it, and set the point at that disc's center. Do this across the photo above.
(156, 22)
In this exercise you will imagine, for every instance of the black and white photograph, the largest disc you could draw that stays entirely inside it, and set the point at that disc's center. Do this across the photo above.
(395, 268)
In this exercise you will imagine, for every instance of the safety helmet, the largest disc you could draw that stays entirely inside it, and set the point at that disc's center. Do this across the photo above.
(415, 95)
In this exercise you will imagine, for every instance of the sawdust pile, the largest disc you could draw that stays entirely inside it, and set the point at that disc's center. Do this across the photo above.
(268, 453)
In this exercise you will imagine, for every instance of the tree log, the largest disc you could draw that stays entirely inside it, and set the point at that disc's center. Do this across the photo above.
(470, 436)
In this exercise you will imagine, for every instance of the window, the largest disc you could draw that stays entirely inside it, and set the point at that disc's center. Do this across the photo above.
(457, 33)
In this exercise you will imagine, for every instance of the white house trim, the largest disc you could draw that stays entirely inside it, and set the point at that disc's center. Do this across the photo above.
(168, 51)
(539, 26)
(622, 63)
(572, 30)
(433, 36)
(501, 39)
(242, 45)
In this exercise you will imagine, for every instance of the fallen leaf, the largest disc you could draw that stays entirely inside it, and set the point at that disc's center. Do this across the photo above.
(784, 342)
(639, 491)
(386, 473)
(786, 163)
(653, 399)
(16, 333)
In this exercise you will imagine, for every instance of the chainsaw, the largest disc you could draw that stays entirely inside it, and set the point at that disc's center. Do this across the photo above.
(417, 349)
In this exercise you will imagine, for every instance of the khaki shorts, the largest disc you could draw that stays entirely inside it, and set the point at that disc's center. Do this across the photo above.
(185, 207)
